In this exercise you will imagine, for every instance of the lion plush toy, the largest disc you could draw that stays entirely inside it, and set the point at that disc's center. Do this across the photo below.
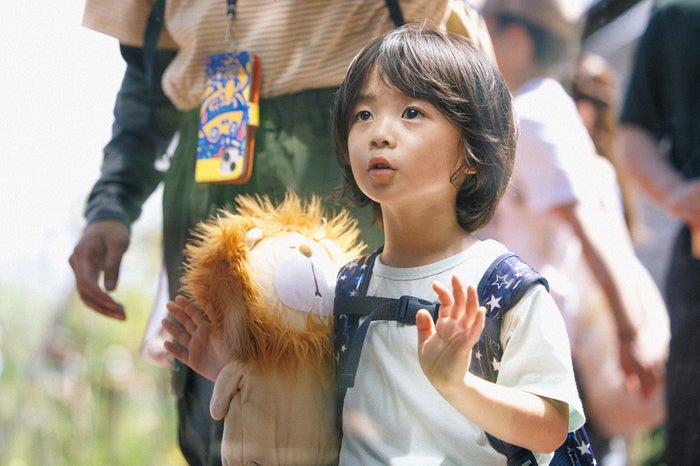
(265, 276)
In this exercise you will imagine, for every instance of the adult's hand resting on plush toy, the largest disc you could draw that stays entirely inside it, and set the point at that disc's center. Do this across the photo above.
(100, 251)
(195, 344)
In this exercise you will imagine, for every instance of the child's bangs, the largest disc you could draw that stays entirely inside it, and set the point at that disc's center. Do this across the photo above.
(409, 66)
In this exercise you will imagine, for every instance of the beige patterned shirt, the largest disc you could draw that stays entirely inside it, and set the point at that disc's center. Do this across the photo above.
(302, 44)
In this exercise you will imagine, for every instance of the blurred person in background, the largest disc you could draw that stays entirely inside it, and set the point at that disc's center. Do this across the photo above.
(304, 48)
(562, 211)
(659, 143)
(594, 89)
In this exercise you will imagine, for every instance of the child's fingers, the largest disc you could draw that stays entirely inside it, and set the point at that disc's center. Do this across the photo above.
(453, 303)
(425, 325)
(176, 310)
(477, 326)
(181, 317)
(460, 298)
(471, 308)
(195, 313)
(181, 301)
(187, 308)
(446, 300)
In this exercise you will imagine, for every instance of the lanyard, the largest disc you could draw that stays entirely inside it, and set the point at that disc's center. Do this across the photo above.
(231, 8)
(231, 13)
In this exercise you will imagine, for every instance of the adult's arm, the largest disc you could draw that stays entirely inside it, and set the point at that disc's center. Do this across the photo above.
(144, 123)
(641, 156)
(606, 258)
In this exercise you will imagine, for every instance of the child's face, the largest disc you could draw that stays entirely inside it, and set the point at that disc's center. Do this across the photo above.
(402, 149)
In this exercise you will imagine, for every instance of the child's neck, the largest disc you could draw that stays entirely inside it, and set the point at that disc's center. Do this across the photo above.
(412, 244)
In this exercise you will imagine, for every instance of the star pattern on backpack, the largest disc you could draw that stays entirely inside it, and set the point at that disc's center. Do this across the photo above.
(578, 440)
(493, 303)
(501, 281)
(350, 277)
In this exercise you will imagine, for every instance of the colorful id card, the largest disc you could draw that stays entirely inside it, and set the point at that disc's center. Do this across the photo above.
(227, 118)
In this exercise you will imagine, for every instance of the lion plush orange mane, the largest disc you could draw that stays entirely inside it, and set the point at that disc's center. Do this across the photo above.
(265, 276)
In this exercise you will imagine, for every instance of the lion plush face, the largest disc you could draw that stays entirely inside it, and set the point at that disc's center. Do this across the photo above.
(265, 277)
(296, 274)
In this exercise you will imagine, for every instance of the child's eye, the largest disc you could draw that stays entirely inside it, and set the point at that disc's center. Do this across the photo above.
(412, 113)
(363, 115)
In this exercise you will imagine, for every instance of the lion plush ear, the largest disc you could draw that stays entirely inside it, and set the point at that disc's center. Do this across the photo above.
(253, 237)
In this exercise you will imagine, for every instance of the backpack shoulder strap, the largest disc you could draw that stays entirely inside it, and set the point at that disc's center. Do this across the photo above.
(351, 303)
(502, 286)
(353, 277)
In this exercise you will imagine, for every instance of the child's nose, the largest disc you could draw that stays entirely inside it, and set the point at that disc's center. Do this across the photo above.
(383, 135)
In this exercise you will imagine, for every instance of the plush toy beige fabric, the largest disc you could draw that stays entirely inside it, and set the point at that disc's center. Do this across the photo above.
(266, 273)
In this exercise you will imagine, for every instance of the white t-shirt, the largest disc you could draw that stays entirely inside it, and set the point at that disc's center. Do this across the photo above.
(394, 416)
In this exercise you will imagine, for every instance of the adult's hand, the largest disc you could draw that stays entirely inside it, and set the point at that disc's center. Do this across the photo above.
(198, 345)
(684, 203)
(99, 252)
(644, 373)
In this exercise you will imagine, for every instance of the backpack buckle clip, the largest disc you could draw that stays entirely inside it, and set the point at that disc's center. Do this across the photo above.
(409, 307)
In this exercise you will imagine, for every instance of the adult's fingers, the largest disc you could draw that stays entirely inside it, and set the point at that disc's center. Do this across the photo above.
(178, 332)
(178, 352)
(99, 250)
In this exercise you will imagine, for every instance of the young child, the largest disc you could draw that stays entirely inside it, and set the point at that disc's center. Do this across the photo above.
(425, 134)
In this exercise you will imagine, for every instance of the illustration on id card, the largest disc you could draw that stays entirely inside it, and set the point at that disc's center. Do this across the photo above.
(228, 117)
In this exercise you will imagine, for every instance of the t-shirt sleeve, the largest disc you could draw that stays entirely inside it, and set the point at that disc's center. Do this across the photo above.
(537, 353)
(542, 177)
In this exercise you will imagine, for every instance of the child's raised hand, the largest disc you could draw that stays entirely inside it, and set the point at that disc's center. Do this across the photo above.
(195, 343)
(444, 348)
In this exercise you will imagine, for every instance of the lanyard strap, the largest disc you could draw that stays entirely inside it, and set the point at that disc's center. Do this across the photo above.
(395, 12)
(231, 8)
(231, 13)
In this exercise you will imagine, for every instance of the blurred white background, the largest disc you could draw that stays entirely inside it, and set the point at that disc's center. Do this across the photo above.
(57, 92)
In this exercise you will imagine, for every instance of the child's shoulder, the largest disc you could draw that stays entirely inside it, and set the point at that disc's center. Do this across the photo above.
(470, 265)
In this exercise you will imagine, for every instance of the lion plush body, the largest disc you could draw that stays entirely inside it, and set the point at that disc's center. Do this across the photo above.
(265, 275)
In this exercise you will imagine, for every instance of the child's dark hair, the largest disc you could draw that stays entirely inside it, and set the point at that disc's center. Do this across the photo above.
(467, 88)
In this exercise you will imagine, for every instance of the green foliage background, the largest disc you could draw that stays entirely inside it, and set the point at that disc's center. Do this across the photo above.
(73, 387)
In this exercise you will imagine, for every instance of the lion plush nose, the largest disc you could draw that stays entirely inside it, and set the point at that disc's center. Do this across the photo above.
(305, 249)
